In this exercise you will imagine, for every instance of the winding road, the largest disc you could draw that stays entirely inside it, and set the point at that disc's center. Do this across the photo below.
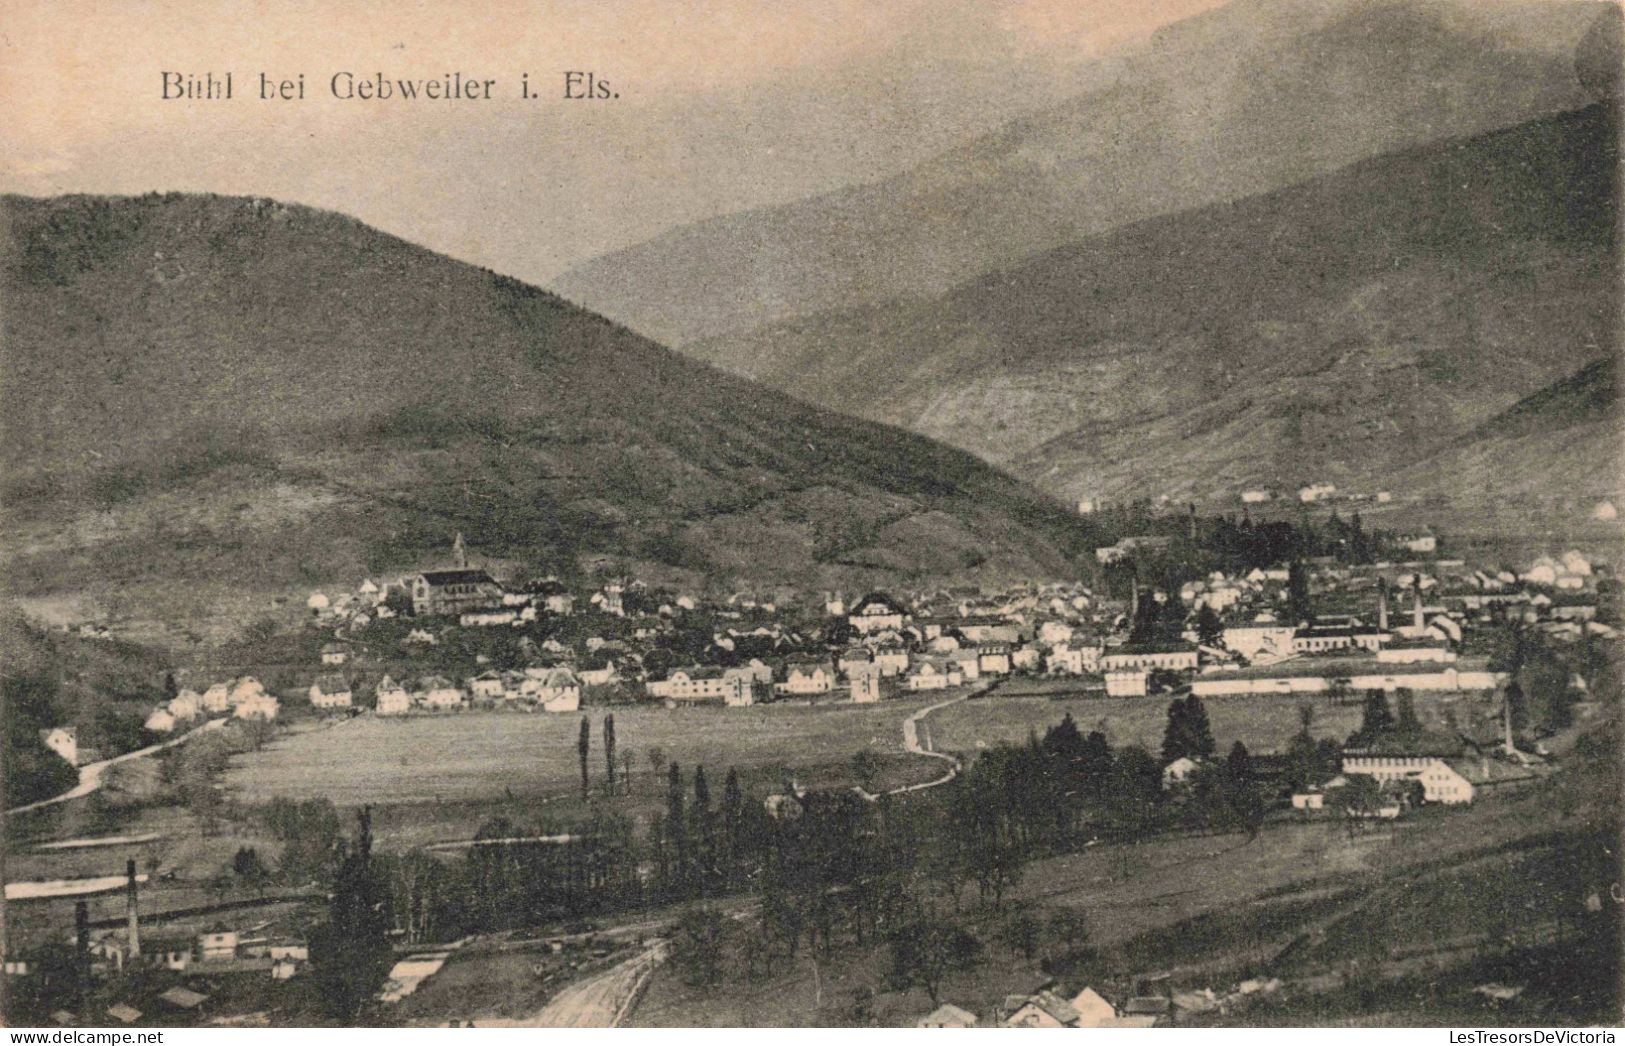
(605, 999)
(912, 744)
(90, 775)
(601, 1001)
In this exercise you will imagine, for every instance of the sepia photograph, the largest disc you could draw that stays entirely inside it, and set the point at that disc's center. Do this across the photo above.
(636, 514)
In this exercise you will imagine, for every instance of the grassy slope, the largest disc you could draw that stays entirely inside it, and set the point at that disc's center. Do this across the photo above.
(1303, 899)
(1341, 328)
(241, 396)
(1563, 440)
(437, 777)
(1241, 100)
(103, 689)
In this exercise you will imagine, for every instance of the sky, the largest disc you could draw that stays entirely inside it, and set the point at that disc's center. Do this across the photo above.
(723, 105)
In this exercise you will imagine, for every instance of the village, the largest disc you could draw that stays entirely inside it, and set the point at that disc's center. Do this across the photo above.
(458, 641)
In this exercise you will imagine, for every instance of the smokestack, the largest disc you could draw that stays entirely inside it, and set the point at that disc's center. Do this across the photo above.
(1382, 604)
(132, 920)
(1416, 604)
(1506, 719)
(81, 932)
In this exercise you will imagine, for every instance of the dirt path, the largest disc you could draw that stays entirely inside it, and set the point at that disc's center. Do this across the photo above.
(913, 745)
(90, 775)
(600, 1001)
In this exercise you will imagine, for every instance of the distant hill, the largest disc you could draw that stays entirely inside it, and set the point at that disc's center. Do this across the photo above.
(208, 401)
(1241, 100)
(1341, 329)
(1552, 456)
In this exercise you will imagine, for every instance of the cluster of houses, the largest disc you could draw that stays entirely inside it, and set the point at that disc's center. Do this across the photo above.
(211, 952)
(1396, 626)
(1049, 1008)
(548, 689)
(891, 648)
(242, 698)
(182, 972)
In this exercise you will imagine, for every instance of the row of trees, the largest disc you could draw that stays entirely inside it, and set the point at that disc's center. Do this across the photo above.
(824, 867)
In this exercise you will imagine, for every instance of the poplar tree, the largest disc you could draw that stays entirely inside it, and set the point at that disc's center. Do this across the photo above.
(583, 746)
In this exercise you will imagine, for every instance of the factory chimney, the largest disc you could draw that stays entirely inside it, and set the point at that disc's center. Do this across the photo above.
(81, 933)
(1416, 604)
(1382, 604)
(132, 920)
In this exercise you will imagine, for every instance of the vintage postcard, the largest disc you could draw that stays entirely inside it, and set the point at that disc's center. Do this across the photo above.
(814, 513)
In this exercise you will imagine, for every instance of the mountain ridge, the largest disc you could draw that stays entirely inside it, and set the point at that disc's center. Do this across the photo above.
(1328, 330)
(207, 388)
(1231, 103)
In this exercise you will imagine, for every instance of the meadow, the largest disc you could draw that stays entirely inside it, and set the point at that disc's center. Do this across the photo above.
(474, 757)
(1264, 723)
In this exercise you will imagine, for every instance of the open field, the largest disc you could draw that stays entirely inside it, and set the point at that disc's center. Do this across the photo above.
(466, 759)
(1264, 723)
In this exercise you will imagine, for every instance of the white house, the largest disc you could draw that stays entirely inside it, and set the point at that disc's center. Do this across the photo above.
(438, 693)
(1314, 799)
(487, 684)
(698, 684)
(891, 658)
(1054, 633)
(330, 691)
(392, 698)
(186, 704)
(967, 662)
(876, 612)
(161, 721)
(1178, 772)
(808, 678)
(1260, 641)
(64, 741)
(335, 654)
(933, 674)
(558, 690)
(1441, 782)
(246, 688)
(598, 676)
(1092, 1009)
(264, 707)
(993, 659)
(1316, 492)
(217, 942)
(1420, 543)
(1076, 657)
(217, 698)
(1043, 1010)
